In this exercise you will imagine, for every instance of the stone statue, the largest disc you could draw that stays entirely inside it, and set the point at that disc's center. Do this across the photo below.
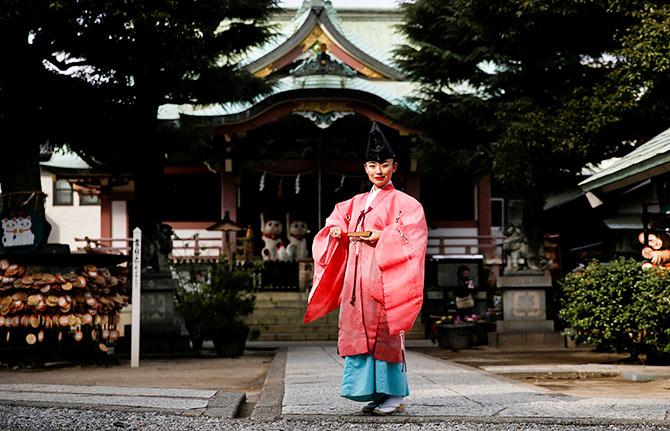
(297, 241)
(517, 252)
(156, 248)
(273, 248)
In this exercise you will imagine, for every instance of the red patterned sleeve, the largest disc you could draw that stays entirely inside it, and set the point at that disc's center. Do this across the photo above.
(401, 254)
(330, 258)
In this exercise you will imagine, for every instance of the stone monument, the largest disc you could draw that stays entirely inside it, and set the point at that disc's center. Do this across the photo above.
(162, 328)
(524, 288)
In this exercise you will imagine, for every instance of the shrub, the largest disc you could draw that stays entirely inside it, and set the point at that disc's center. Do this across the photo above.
(619, 307)
(213, 299)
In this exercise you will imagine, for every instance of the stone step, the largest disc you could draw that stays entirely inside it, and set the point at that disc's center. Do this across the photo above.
(278, 316)
(317, 336)
(282, 296)
(329, 321)
(269, 319)
(295, 329)
(279, 312)
(324, 330)
(530, 341)
(297, 337)
(281, 304)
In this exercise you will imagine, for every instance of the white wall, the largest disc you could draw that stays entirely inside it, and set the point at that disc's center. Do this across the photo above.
(120, 223)
(69, 221)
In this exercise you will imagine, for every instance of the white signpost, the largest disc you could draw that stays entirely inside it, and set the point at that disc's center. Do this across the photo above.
(136, 298)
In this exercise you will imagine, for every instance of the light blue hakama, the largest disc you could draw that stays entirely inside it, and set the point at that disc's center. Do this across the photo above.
(367, 379)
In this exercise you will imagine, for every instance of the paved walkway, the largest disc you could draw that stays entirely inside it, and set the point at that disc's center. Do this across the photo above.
(445, 389)
(183, 401)
(634, 373)
(304, 383)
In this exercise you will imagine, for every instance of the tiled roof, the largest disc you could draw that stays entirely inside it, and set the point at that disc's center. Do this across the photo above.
(645, 161)
(378, 37)
(284, 30)
(65, 160)
(394, 92)
(350, 36)
(368, 35)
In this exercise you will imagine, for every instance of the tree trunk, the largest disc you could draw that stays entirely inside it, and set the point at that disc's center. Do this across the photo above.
(21, 172)
(149, 201)
(26, 211)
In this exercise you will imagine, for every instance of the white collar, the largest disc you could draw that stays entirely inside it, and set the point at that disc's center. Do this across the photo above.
(373, 193)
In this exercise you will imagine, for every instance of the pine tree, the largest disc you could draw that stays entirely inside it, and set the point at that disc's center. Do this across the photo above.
(94, 73)
(529, 91)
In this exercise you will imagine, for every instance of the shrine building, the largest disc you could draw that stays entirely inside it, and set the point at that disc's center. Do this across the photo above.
(297, 151)
(293, 153)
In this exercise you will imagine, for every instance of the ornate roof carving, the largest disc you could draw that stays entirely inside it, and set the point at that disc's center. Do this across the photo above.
(317, 23)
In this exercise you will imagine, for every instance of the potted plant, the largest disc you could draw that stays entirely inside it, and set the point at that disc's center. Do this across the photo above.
(230, 296)
(189, 299)
(213, 304)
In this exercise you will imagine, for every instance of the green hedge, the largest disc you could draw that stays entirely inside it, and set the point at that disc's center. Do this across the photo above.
(619, 306)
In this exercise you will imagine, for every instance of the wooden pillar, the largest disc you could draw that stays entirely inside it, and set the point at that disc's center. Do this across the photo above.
(228, 194)
(228, 183)
(413, 182)
(413, 185)
(106, 218)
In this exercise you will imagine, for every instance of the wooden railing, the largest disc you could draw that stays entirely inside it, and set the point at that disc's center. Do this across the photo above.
(476, 244)
(197, 247)
(201, 248)
(104, 245)
(211, 248)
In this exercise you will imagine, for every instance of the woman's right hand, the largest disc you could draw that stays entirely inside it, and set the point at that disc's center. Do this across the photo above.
(335, 232)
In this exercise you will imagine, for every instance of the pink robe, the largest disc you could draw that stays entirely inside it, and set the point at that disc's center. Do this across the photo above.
(389, 277)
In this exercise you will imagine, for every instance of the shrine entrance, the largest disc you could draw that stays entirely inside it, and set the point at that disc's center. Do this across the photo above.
(294, 168)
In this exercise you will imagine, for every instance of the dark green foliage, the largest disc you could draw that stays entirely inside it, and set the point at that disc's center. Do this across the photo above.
(640, 85)
(213, 299)
(653, 310)
(534, 90)
(619, 307)
(92, 75)
(229, 296)
(29, 92)
(148, 54)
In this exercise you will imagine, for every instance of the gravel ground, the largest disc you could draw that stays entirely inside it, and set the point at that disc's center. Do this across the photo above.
(32, 418)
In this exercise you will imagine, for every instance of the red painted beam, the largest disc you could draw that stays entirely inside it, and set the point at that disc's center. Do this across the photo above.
(105, 218)
(280, 110)
(186, 170)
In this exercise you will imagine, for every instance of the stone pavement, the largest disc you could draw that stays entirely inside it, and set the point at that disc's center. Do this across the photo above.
(634, 373)
(303, 384)
(192, 402)
(444, 389)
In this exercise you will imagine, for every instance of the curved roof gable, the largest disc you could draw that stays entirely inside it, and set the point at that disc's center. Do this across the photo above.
(650, 159)
(320, 24)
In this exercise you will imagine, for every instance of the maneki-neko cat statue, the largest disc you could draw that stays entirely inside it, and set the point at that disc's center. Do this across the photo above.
(297, 239)
(271, 230)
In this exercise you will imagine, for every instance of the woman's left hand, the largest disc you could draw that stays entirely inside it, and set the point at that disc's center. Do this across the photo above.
(373, 238)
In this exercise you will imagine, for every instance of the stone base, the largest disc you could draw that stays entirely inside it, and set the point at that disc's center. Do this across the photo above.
(524, 326)
(162, 329)
(152, 343)
(527, 341)
(524, 279)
